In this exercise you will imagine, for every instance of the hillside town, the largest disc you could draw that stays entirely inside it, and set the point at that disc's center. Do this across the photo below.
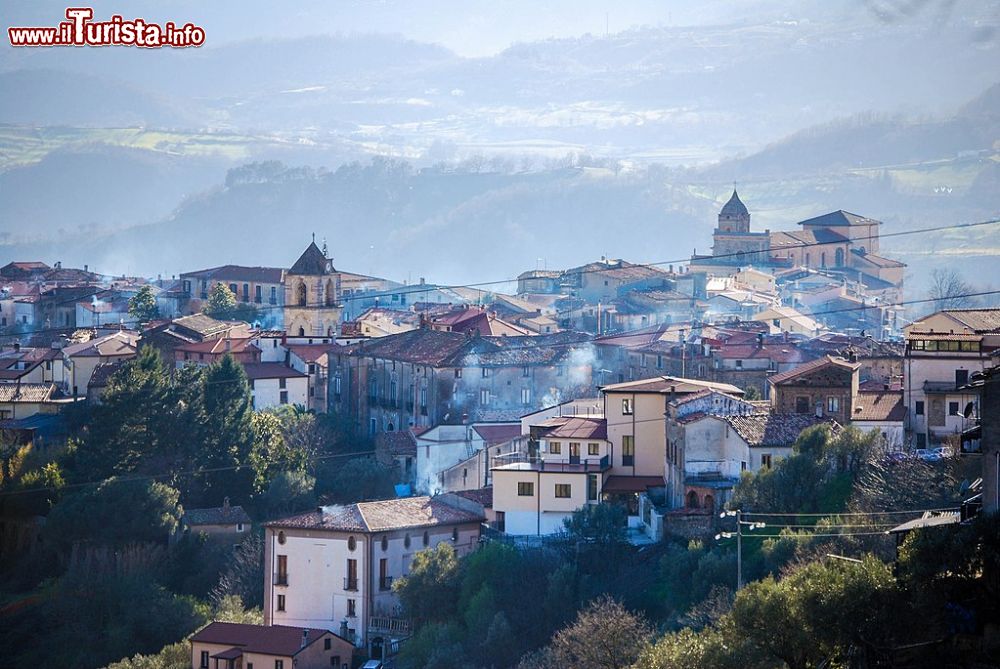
(495, 418)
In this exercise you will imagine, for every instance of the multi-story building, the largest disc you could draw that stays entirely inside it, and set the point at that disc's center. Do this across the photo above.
(259, 287)
(273, 384)
(333, 568)
(943, 351)
(824, 387)
(425, 377)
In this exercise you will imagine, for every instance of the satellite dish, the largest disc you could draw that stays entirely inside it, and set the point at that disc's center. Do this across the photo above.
(968, 409)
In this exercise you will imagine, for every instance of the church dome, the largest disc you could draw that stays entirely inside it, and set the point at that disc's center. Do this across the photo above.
(734, 207)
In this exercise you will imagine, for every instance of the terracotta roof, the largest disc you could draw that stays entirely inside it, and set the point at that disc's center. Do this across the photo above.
(390, 514)
(498, 434)
(977, 320)
(116, 344)
(878, 261)
(399, 443)
(238, 273)
(219, 346)
(311, 352)
(220, 515)
(103, 372)
(26, 392)
(664, 385)
(278, 640)
(820, 363)
(202, 324)
(271, 370)
(784, 352)
(312, 262)
(483, 496)
(631, 483)
(579, 427)
(883, 405)
(839, 218)
(775, 430)
(794, 238)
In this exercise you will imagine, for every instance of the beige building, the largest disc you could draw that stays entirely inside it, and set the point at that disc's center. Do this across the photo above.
(312, 296)
(824, 387)
(333, 568)
(242, 646)
(80, 360)
(225, 521)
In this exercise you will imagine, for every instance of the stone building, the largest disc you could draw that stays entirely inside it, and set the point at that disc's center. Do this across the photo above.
(312, 296)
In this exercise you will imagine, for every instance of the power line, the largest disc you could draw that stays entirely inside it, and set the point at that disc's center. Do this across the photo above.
(854, 513)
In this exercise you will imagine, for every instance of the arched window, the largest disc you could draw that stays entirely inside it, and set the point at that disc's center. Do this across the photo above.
(302, 332)
(822, 259)
(331, 293)
(709, 502)
(692, 500)
(839, 257)
(300, 294)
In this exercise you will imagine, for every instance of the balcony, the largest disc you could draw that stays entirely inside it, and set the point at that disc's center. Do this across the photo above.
(280, 578)
(351, 584)
(397, 627)
(385, 583)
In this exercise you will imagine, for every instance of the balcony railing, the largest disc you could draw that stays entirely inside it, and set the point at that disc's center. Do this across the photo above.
(387, 625)
(385, 583)
(350, 584)
(280, 578)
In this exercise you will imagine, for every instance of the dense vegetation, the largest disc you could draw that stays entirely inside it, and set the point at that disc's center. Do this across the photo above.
(589, 600)
(109, 575)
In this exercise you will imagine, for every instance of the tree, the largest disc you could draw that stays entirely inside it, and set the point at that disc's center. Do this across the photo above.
(221, 302)
(428, 591)
(142, 306)
(356, 480)
(289, 492)
(949, 290)
(228, 432)
(605, 635)
(751, 394)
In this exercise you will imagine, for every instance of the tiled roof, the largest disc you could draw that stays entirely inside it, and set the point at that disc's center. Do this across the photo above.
(813, 366)
(880, 406)
(271, 370)
(483, 496)
(202, 324)
(878, 261)
(664, 385)
(390, 514)
(26, 392)
(797, 238)
(839, 218)
(574, 427)
(278, 640)
(238, 273)
(116, 344)
(782, 353)
(220, 515)
(311, 352)
(498, 434)
(977, 320)
(103, 373)
(775, 430)
(219, 346)
(399, 443)
(312, 262)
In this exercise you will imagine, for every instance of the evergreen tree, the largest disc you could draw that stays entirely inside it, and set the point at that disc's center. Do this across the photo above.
(221, 302)
(228, 433)
(142, 306)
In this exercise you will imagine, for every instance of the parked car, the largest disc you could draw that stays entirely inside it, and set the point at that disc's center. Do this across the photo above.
(372, 664)
(944, 451)
(928, 454)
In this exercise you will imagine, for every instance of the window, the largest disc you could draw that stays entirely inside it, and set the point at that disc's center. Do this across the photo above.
(352, 543)
(765, 460)
(279, 664)
(526, 371)
(352, 608)
(555, 447)
(525, 396)
(484, 397)
(627, 407)
(351, 580)
(593, 449)
(246, 292)
(282, 383)
(427, 538)
(281, 602)
(921, 441)
(628, 450)
(563, 491)
(274, 295)
(801, 404)
(232, 288)
(281, 538)
(501, 522)
(525, 489)
(204, 659)
(953, 409)
(327, 643)
(486, 372)
(281, 578)
(385, 542)
(919, 408)
(454, 535)
(458, 373)
(739, 364)
(258, 294)
(833, 404)
(283, 397)
(591, 487)
(384, 580)
(961, 377)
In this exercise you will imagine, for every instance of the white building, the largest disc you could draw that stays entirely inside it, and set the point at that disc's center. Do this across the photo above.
(273, 384)
(334, 567)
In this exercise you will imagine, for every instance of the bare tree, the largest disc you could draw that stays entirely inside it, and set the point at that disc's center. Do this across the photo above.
(949, 290)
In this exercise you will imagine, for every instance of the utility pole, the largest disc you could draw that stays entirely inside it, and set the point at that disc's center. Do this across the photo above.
(739, 550)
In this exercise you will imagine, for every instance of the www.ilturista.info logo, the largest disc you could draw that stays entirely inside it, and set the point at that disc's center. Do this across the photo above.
(80, 30)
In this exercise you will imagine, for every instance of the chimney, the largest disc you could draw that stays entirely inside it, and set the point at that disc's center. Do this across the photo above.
(86, 268)
(17, 346)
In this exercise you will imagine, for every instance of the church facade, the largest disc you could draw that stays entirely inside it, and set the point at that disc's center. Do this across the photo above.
(312, 296)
